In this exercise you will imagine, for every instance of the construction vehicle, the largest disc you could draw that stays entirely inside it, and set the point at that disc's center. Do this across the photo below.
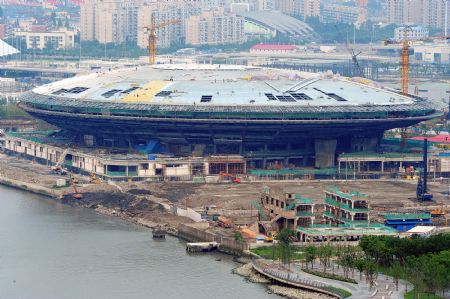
(58, 168)
(270, 236)
(422, 186)
(405, 55)
(94, 179)
(224, 176)
(354, 55)
(152, 38)
(224, 222)
(76, 194)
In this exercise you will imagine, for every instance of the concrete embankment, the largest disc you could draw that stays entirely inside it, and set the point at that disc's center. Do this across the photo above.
(34, 188)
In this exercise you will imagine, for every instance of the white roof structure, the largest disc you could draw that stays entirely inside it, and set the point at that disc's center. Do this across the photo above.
(421, 230)
(6, 50)
(220, 85)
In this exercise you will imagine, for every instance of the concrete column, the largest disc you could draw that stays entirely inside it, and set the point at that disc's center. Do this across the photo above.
(325, 150)
(359, 166)
(382, 166)
(339, 166)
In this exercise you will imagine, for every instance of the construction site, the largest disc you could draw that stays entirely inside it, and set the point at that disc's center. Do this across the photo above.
(212, 149)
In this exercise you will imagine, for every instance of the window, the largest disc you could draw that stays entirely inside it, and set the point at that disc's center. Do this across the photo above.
(206, 99)
(301, 96)
(110, 93)
(130, 90)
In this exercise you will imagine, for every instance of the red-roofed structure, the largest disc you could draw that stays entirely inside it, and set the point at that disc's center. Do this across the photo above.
(272, 48)
(438, 138)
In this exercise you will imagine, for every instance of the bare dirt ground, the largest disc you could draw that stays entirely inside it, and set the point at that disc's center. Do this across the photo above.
(141, 199)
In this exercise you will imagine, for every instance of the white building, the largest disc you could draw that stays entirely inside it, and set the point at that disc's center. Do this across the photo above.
(438, 53)
(413, 33)
(59, 39)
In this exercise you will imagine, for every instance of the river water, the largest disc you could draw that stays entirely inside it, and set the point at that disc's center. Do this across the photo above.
(50, 250)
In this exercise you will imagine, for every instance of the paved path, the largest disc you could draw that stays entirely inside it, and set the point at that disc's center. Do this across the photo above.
(384, 287)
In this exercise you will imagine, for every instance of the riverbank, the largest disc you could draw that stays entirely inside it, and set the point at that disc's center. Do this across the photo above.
(251, 275)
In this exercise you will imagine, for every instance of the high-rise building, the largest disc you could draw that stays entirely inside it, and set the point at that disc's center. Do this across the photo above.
(215, 27)
(333, 13)
(109, 21)
(303, 8)
(160, 12)
(429, 13)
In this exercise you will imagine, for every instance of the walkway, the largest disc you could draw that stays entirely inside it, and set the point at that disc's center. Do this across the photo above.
(384, 287)
(284, 276)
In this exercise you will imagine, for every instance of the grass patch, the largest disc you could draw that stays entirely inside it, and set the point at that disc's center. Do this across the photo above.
(329, 275)
(267, 253)
(410, 295)
(342, 292)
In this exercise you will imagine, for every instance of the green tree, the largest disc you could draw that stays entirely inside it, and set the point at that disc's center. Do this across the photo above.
(360, 264)
(237, 236)
(371, 272)
(310, 255)
(396, 271)
(415, 274)
(324, 252)
(285, 248)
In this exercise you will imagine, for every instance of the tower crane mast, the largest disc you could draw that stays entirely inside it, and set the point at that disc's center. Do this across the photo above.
(152, 38)
(405, 55)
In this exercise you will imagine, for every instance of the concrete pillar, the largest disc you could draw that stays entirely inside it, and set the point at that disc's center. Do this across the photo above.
(325, 150)
(382, 166)
(359, 166)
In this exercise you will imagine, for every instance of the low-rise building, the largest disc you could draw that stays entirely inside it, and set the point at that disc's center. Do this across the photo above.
(286, 209)
(405, 221)
(33, 146)
(346, 207)
(438, 53)
(411, 33)
(272, 49)
(59, 39)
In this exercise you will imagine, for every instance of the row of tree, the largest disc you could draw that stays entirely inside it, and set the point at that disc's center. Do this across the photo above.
(385, 250)
(424, 262)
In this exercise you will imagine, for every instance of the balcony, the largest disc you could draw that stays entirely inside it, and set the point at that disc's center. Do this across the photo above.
(304, 214)
(343, 206)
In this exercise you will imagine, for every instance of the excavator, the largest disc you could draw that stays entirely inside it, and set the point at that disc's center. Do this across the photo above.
(228, 176)
(76, 194)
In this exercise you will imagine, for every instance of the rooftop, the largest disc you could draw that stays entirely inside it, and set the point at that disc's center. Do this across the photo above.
(404, 216)
(270, 47)
(343, 229)
(221, 85)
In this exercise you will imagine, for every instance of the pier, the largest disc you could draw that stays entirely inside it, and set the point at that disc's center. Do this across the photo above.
(202, 247)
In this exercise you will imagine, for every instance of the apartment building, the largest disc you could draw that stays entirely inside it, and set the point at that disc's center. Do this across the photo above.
(413, 33)
(161, 12)
(215, 27)
(109, 21)
(344, 14)
(429, 13)
(59, 39)
(303, 8)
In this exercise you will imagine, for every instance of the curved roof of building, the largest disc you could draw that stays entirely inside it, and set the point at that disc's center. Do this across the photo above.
(280, 22)
(219, 85)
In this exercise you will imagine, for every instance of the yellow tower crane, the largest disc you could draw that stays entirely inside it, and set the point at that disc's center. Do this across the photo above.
(152, 38)
(405, 54)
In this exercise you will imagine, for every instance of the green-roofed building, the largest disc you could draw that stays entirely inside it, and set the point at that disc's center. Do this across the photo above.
(286, 209)
(346, 207)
